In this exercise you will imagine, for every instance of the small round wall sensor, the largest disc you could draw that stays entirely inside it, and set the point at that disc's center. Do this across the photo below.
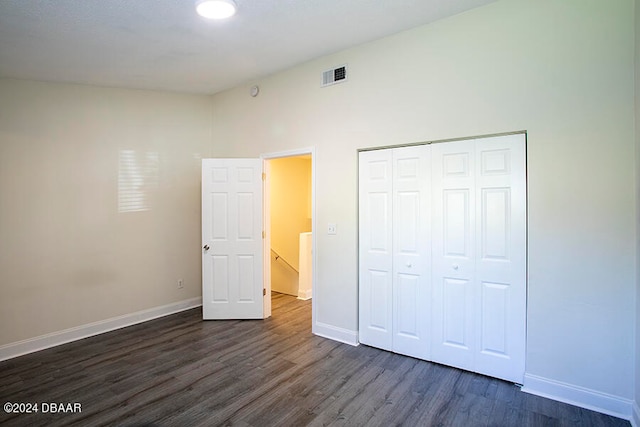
(254, 91)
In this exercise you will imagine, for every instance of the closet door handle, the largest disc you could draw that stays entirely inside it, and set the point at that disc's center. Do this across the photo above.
(455, 266)
(409, 265)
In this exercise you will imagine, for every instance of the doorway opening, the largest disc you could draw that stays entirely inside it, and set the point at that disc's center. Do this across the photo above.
(289, 224)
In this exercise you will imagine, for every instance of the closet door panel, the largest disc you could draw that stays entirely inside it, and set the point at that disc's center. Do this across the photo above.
(406, 297)
(411, 251)
(456, 304)
(501, 261)
(375, 249)
(453, 253)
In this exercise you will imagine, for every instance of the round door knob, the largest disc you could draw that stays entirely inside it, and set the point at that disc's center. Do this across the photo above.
(205, 247)
(455, 266)
(409, 265)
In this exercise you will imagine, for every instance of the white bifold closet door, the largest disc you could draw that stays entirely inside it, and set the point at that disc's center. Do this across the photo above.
(395, 250)
(443, 253)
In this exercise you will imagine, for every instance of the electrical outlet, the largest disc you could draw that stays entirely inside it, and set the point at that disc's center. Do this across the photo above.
(332, 228)
(180, 284)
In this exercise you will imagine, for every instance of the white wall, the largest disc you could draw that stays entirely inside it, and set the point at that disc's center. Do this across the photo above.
(68, 256)
(560, 69)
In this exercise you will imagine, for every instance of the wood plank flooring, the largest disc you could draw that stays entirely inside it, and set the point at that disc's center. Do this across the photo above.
(181, 371)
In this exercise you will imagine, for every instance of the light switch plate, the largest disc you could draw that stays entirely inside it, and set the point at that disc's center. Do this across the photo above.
(332, 228)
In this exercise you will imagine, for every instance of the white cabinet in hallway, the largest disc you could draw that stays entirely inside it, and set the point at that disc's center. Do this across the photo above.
(442, 249)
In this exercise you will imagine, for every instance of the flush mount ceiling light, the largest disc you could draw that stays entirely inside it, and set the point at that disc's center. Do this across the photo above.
(216, 9)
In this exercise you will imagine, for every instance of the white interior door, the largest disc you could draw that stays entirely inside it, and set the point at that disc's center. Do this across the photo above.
(411, 251)
(453, 260)
(395, 250)
(232, 246)
(501, 257)
(479, 255)
(375, 249)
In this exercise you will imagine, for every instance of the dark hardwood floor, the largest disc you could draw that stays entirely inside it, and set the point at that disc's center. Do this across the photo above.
(181, 371)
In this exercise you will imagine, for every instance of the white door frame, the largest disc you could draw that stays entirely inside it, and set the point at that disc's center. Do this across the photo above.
(267, 226)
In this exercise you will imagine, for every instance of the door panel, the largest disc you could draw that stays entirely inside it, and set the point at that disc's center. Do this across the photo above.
(495, 228)
(411, 251)
(247, 217)
(501, 266)
(232, 239)
(219, 223)
(378, 298)
(453, 337)
(455, 317)
(375, 270)
(408, 215)
(408, 292)
(246, 268)
(495, 309)
(455, 223)
(217, 268)
(379, 206)
(480, 240)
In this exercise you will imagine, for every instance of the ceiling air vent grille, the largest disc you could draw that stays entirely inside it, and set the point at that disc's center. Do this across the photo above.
(335, 75)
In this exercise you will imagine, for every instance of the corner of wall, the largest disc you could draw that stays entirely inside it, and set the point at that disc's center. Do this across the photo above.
(336, 334)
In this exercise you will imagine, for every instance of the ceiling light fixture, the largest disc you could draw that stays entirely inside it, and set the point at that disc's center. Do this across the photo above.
(216, 9)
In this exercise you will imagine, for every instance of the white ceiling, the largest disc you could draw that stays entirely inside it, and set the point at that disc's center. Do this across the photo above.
(163, 44)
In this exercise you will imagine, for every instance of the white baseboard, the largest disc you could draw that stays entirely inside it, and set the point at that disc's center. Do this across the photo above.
(11, 350)
(579, 396)
(635, 419)
(334, 333)
(305, 294)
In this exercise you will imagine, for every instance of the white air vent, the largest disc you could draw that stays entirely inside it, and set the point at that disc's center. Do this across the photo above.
(335, 75)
